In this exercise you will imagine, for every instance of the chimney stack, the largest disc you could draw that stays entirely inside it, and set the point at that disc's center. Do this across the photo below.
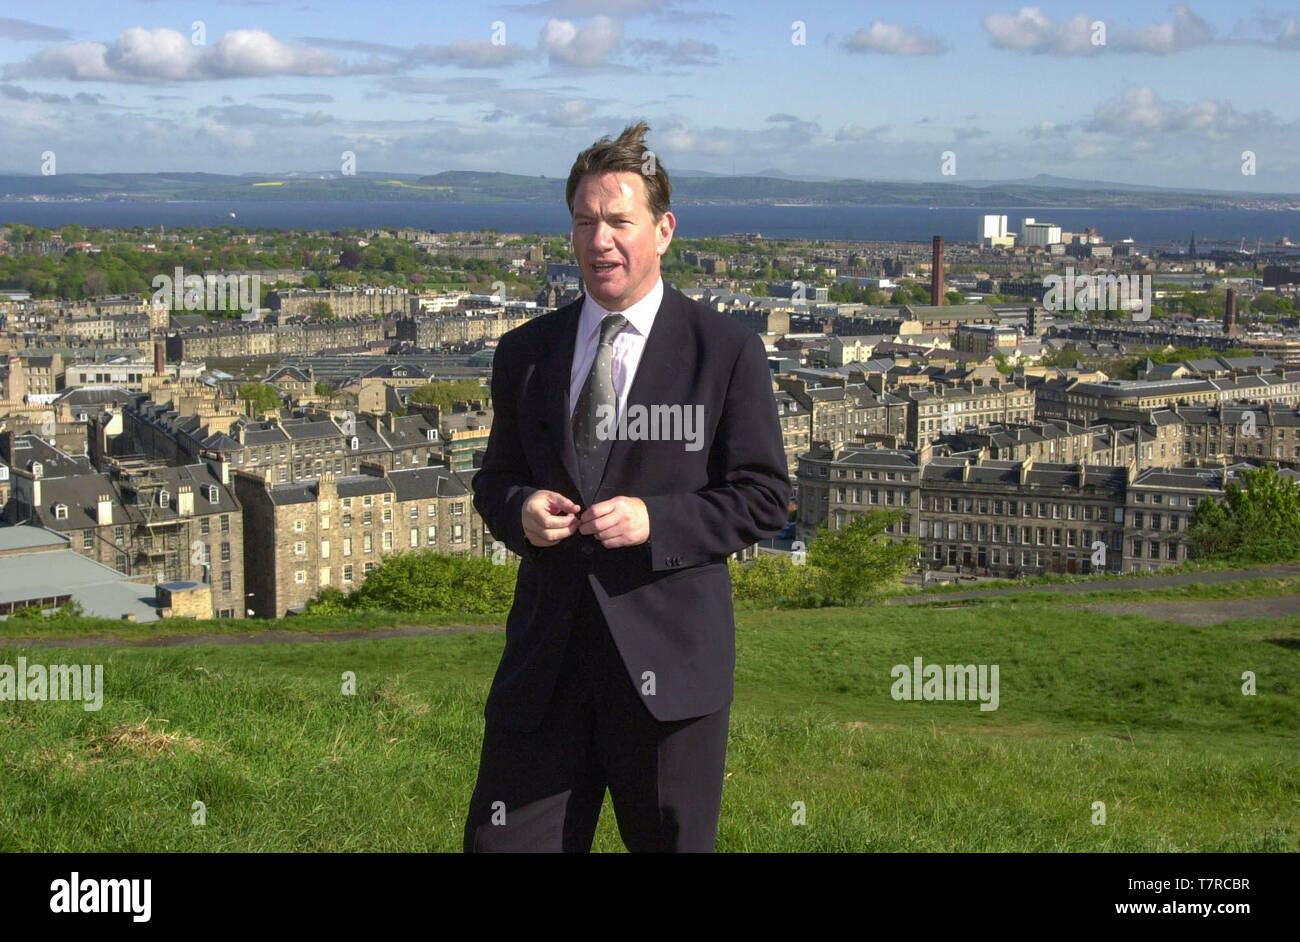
(936, 272)
(159, 358)
(1230, 314)
(104, 510)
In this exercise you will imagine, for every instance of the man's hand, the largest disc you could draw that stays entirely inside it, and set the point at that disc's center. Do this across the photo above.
(617, 522)
(549, 518)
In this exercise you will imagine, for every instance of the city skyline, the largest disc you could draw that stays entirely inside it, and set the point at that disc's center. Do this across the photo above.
(1174, 96)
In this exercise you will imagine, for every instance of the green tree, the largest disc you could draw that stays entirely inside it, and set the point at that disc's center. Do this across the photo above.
(861, 558)
(1259, 519)
(260, 397)
(443, 394)
(426, 581)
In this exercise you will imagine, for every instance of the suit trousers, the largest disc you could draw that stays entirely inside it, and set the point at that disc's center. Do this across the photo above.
(542, 790)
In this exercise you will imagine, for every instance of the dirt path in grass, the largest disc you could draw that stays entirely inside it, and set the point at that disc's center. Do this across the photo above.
(1207, 612)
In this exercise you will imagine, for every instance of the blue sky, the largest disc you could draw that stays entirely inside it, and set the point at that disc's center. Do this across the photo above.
(1173, 96)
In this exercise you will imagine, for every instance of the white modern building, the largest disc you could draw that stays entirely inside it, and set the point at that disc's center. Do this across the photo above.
(993, 227)
(1041, 234)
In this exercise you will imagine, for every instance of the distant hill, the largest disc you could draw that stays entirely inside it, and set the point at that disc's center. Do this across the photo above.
(465, 186)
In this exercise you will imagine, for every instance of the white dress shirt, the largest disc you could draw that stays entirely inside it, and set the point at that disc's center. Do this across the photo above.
(628, 345)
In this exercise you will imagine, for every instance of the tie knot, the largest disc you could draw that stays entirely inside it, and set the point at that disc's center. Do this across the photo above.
(610, 327)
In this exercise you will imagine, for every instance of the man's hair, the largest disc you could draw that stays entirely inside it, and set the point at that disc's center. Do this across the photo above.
(627, 153)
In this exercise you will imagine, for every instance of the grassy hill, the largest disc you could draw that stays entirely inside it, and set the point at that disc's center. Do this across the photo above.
(1144, 715)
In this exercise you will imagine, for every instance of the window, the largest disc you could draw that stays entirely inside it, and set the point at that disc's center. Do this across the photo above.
(347, 520)
(388, 515)
(367, 518)
(347, 573)
(369, 568)
(368, 500)
(299, 548)
(367, 545)
(60, 511)
(388, 539)
(415, 536)
(297, 526)
(87, 539)
(432, 536)
(225, 523)
(433, 510)
(324, 549)
(346, 503)
(415, 512)
(388, 499)
(347, 546)
(225, 580)
(300, 576)
(225, 552)
(457, 533)
(205, 526)
(457, 508)
(325, 575)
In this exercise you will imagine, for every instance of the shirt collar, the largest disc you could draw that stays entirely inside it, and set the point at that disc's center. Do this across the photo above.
(640, 316)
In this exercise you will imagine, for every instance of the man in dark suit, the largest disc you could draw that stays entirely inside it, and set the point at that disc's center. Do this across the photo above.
(635, 445)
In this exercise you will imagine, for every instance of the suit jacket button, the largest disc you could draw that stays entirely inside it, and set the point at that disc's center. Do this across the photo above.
(587, 549)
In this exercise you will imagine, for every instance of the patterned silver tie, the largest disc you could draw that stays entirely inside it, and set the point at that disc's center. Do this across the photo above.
(597, 392)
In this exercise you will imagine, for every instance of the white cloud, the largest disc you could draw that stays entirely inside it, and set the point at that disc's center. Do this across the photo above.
(1140, 111)
(894, 40)
(584, 46)
(1032, 30)
(165, 55)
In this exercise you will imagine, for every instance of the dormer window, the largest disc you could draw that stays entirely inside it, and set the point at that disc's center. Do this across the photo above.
(356, 443)
(164, 498)
(432, 434)
(60, 511)
(214, 494)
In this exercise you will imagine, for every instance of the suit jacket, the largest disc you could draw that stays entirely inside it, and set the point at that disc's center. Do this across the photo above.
(667, 601)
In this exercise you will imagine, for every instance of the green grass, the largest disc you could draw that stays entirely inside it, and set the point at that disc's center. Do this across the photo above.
(1143, 715)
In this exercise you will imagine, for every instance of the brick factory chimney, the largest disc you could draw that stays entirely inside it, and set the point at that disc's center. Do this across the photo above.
(1230, 314)
(936, 272)
(159, 358)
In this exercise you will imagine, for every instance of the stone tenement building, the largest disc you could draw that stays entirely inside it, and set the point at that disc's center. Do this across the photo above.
(1228, 432)
(461, 327)
(842, 411)
(333, 531)
(1088, 403)
(364, 303)
(940, 410)
(289, 336)
(22, 376)
(1011, 517)
(293, 448)
(176, 523)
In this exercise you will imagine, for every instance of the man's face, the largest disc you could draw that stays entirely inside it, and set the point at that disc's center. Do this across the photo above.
(616, 240)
